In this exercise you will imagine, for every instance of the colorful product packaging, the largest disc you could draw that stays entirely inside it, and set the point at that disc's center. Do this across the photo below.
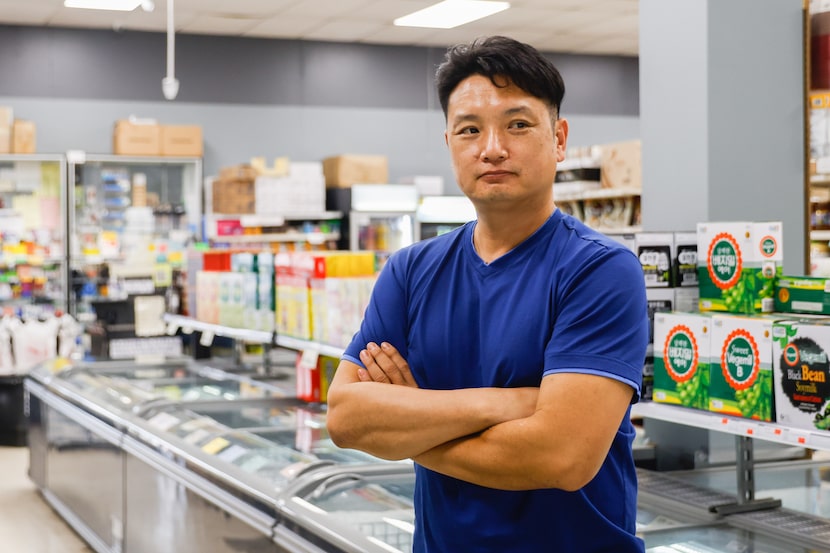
(802, 374)
(681, 359)
(802, 294)
(737, 264)
(741, 366)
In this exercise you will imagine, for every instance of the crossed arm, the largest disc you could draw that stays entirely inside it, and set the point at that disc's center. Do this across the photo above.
(555, 436)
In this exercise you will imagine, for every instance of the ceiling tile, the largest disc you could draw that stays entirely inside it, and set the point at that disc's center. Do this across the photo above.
(343, 30)
(283, 26)
(206, 24)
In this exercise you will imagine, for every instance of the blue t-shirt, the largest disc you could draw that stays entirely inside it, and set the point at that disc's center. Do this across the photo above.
(567, 299)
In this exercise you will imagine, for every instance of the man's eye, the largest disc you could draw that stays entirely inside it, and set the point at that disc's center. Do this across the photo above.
(520, 125)
(468, 130)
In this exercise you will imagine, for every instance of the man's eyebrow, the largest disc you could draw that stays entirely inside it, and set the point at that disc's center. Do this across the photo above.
(466, 117)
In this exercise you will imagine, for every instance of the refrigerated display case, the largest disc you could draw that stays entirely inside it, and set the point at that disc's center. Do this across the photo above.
(438, 215)
(176, 456)
(129, 216)
(33, 231)
(382, 217)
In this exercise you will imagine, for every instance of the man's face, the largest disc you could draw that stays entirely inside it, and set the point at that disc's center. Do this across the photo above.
(503, 144)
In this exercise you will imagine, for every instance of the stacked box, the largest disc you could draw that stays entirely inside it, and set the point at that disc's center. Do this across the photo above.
(737, 265)
(347, 170)
(301, 190)
(802, 294)
(802, 374)
(207, 291)
(181, 140)
(656, 251)
(684, 261)
(741, 367)
(136, 139)
(681, 359)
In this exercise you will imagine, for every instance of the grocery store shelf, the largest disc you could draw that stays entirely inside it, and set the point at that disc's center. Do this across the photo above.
(310, 237)
(276, 220)
(820, 235)
(14, 260)
(770, 432)
(620, 230)
(189, 325)
(598, 194)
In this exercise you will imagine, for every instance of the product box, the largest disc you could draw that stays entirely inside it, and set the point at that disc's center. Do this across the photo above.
(24, 137)
(658, 300)
(686, 299)
(684, 261)
(136, 139)
(741, 366)
(737, 265)
(621, 165)
(181, 140)
(802, 374)
(656, 251)
(233, 196)
(802, 294)
(6, 120)
(681, 359)
(349, 169)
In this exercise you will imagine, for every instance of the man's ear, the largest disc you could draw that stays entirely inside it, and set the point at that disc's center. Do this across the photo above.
(560, 132)
(447, 138)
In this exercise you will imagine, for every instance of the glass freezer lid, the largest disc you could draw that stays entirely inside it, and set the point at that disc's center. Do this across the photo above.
(189, 420)
(371, 509)
(716, 538)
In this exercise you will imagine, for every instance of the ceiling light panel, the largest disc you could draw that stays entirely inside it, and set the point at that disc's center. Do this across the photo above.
(451, 13)
(112, 5)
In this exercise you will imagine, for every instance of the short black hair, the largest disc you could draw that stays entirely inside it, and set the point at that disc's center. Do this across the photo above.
(500, 56)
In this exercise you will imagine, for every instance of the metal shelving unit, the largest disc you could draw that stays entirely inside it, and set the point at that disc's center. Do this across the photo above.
(34, 225)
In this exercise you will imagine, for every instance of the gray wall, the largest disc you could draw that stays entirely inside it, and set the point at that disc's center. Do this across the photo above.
(722, 117)
(303, 100)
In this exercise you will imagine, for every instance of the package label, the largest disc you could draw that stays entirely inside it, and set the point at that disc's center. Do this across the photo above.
(681, 360)
(802, 375)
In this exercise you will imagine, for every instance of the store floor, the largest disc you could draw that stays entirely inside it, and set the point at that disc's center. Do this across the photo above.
(27, 523)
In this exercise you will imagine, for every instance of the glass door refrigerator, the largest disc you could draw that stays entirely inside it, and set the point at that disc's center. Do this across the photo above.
(382, 217)
(131, 220)
(438, 215)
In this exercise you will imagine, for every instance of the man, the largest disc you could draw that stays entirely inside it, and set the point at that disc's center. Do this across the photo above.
(503, 357)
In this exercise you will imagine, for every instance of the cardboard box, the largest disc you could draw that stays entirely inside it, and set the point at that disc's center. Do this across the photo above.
(181, 140)
(802, 379)
(621, 165)
(681, 359)
(24, 137)
(134, 139)
(346, 170)
(741, 367)
(802, 294)
(233, 196)
(737, 264)
(6, 119)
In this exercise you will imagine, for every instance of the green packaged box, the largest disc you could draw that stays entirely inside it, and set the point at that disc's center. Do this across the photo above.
(802, 294)
(741, 366)
(681, 359)
(737, 264)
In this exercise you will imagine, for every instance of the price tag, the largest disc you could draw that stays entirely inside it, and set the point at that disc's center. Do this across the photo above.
(172, 328)
(187, 330)
(215, 446)
(309, 359)
(207, 338)
(164, 421)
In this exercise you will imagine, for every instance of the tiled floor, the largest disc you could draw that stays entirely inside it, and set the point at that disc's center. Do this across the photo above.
(27, 523)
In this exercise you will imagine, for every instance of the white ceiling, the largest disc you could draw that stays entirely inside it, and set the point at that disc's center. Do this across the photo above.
(573, 26)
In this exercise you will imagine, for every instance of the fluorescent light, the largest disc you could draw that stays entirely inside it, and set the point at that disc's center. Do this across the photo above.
(115, 5)
(451, 13)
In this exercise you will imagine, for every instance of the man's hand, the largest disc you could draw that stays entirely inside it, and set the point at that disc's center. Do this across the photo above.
(386, 365)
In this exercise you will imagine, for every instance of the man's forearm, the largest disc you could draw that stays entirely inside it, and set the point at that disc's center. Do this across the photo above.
(398, 422)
